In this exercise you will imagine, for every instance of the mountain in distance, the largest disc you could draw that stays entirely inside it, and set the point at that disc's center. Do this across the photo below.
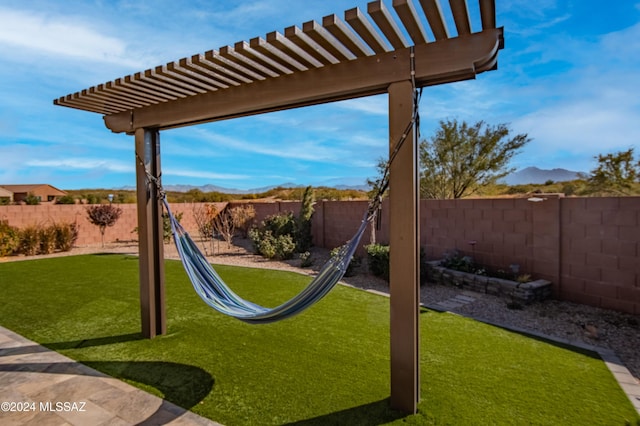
(520, 177)
(338, 183)
(536, 175)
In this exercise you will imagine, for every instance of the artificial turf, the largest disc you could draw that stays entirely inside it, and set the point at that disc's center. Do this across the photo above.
(329, 365)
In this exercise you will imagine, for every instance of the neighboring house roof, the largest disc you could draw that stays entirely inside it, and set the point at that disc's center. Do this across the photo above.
(5, 193)
(51, 190)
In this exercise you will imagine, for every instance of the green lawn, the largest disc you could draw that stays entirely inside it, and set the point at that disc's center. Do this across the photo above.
(329, 365)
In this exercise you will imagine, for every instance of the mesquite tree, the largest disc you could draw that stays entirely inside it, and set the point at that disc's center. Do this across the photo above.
(103, 215)
(616, 173)
(461, 159)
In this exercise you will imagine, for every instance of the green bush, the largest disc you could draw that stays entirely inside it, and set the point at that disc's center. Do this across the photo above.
(46, 239)
(29, 240)
(355, 263)
(9, 239)
(66, 199)
(306, 260)
(275, 237)
(66, 235)
(31, 199)
(266, 244)
(378, 258)
(280, 224)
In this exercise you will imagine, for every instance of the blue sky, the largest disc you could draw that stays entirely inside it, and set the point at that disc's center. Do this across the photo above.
(568, 77)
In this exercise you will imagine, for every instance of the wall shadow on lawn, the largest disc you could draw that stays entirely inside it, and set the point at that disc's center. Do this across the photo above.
(97, 341)
(182, 384)
(374, 413)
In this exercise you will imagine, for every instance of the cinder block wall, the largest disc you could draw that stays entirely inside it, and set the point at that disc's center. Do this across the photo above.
(589, 248)
(600, 252)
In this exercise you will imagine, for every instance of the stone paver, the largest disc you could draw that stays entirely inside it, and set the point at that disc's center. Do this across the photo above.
(42, 387)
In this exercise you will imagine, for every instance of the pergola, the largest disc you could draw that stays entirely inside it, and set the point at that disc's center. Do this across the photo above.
(362, 55)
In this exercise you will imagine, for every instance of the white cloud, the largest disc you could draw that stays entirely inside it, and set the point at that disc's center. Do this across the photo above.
(61, 36)
(202, 175)
(83, 164)
(375, 105)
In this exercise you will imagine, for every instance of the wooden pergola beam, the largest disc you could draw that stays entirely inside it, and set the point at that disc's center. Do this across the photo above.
(457, 59)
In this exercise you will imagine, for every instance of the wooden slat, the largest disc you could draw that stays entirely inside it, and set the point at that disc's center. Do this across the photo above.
(461, 16)
(119, 92)
(282, 43)
(126, 82)
(243, 48)
(224, 73)
(307, 44)
(433, 12)
(74, 101)
(117, 84)
(187, 64)
(149, 85)
(155, 79)
(325, 39)
(259, 44)
(488, 14)
(184, 68)
(122, 97)
(365, 30)
(260, 72)
(162, 73)
(227, 66)
(345, 35)
(92, 93)
(382, 17)
(409, 17)
(174, 71)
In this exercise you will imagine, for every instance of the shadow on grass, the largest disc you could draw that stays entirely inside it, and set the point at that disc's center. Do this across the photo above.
(374, 413)
(98, 341)
(182, 384)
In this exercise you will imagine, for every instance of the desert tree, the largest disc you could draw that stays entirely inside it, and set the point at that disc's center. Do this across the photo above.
(103, 216)
(615, 173)
(460, 159)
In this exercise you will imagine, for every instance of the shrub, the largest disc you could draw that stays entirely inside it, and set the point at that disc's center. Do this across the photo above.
(29, 240)
(9, 239)
(166, 225)
(355, 263)
(280, 224)
(378, 258)
(279, 247)
(243, 218)
(66, 235)
(304, 239)
(66, 199)
(31, 199)
(306, 260)
(46, 239)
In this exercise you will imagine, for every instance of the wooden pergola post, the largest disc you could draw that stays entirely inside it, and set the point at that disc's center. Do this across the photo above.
(404, 253)
(150, 234)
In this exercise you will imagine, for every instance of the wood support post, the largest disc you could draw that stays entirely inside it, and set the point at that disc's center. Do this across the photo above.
(404, 253)
(150, 234)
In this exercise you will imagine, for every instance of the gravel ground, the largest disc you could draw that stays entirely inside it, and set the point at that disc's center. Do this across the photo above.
(569, 321)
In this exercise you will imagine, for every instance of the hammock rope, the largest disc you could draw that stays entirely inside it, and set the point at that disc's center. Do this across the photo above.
(218, 295)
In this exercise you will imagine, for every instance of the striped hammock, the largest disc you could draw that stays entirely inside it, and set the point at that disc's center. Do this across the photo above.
(215, 293)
